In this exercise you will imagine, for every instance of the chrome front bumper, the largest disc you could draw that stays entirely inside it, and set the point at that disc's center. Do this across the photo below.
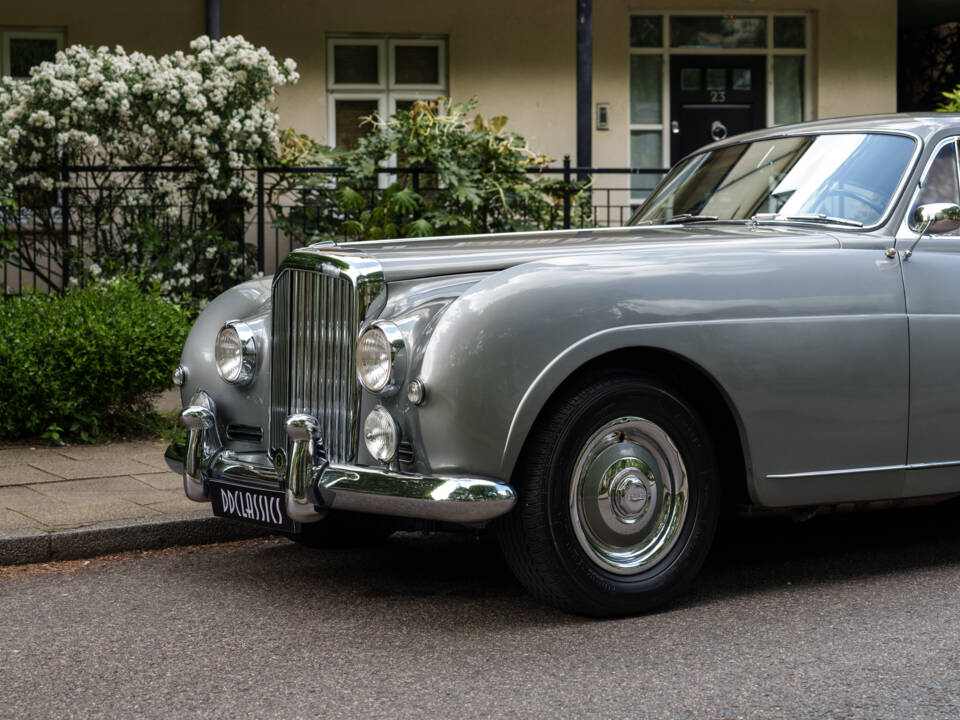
(311, 486)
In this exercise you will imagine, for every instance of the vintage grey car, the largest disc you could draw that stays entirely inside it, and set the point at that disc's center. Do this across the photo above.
(778, 327)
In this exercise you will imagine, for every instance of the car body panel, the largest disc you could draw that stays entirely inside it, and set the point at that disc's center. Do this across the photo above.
(836, 357)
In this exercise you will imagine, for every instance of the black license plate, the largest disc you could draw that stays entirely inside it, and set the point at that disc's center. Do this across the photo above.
(252, 505)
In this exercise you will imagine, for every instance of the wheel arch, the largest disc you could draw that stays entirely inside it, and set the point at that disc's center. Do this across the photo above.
(700, 389)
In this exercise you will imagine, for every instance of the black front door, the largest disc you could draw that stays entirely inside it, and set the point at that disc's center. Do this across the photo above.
(713, 97)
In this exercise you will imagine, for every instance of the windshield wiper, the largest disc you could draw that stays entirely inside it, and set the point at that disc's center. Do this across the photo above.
(690, 217)
(820, 218)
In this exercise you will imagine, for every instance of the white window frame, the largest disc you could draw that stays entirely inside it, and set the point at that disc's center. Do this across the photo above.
(665, 51)
(8, 34)
(386, 92)
(381, 46)
(441, 46)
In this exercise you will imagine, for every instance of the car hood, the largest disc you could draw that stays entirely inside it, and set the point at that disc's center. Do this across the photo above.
(453, 255)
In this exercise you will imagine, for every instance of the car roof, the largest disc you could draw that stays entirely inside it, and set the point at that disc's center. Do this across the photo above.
(923, 125)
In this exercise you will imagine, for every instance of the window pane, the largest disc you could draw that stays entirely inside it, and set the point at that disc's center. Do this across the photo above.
(742, 79)
(789, 32)
(787, 89)
(645, 152)
(356, 64)
(417, 64)
(690, 78)
(645, 88)
(718, 32)
(646, 31)
(716, 78)
(26, 53)
(940, 184)
(348, 116)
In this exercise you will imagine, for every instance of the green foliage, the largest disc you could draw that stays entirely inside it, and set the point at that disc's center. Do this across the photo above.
(473, 177)
(88, 363)
(952, 103)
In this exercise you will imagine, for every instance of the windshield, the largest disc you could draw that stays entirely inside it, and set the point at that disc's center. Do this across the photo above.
(844, 177)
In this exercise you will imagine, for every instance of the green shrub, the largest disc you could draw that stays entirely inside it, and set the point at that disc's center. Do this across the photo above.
(952, 102)
(86, 364)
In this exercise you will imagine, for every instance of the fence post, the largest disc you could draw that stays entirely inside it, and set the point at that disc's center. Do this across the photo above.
(65, 221)
(261, 250)
(566, 192)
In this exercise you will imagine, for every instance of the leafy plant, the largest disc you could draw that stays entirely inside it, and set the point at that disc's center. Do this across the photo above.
(459, 174)
(88, 363)
(207, 111)
(952, 103)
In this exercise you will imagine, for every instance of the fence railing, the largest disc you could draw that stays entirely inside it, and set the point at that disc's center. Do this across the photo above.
(96, 221)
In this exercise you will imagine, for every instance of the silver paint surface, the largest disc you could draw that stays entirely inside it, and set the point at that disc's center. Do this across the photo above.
(838, 362)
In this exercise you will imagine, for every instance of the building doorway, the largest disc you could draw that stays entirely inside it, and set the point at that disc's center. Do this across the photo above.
(713, 97)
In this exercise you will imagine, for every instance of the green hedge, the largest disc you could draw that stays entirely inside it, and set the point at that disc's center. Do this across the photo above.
(84, 364)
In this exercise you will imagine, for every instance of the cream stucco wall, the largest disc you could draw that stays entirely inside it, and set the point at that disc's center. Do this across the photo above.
(516, 55)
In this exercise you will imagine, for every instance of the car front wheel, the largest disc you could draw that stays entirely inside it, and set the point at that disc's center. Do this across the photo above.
(617, 498)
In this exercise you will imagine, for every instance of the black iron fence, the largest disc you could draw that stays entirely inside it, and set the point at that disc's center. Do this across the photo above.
(102, 220)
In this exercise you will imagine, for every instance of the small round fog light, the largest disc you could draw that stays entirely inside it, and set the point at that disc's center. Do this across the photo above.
(380, 434)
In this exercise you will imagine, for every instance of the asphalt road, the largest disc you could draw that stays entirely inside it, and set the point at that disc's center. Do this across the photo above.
(840, 617)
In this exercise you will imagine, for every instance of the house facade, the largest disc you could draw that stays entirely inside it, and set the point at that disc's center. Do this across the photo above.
(666, 77)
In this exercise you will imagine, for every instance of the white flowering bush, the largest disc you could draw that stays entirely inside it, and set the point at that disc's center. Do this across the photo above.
(208, 111)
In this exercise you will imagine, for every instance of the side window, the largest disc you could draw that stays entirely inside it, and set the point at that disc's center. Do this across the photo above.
(940, 184)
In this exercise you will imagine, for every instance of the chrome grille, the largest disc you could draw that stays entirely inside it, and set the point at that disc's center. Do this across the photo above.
(314, 337)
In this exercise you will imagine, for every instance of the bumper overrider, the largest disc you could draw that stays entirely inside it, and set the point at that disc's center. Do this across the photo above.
(311, 486)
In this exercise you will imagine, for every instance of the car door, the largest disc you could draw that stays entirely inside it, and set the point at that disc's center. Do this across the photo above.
(931, 276)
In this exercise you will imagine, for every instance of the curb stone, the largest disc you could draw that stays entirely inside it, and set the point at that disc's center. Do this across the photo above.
(19, 547)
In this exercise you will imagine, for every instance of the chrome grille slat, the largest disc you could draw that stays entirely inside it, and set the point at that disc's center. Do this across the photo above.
(314, 337)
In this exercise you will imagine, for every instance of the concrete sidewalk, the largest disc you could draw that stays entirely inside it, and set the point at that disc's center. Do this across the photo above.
(79, 501)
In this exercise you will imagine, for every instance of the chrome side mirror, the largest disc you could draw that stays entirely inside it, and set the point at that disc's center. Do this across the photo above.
(936, 218)
(933, 219)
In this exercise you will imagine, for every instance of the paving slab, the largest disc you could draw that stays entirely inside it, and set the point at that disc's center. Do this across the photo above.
(70, 469)
(62, 515)
(10, 520)
(81, 501)
(20, 456)
(124, 488)
(163, 481)
(22, 474)
(21, 498)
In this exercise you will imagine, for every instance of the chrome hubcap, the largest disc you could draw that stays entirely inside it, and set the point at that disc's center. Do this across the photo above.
(628, 495)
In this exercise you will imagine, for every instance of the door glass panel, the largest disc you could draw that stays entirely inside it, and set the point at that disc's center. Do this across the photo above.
(789, 32)
(646, 31)
(349, 113)
(787, 89)
(645, 152)
(690, 78)
(356, 64)
(716, 78)
(417, 64)
(741, 79)
(717, 32)
(26, 53)
(645, 88)
(940, 185)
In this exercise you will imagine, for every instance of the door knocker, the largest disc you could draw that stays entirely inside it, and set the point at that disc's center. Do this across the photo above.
(718, 131)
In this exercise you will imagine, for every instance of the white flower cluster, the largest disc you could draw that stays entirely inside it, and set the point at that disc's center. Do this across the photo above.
(208, 108)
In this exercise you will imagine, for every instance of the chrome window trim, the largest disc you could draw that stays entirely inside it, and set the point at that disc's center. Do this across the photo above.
(905, 231)
(894, 196)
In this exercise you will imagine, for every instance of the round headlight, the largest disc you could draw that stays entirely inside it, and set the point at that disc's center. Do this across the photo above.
(236, 353)
(380, 434)
(380, 358)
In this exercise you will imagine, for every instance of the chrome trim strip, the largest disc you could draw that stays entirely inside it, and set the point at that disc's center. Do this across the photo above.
(447, 498)
(857, 471)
